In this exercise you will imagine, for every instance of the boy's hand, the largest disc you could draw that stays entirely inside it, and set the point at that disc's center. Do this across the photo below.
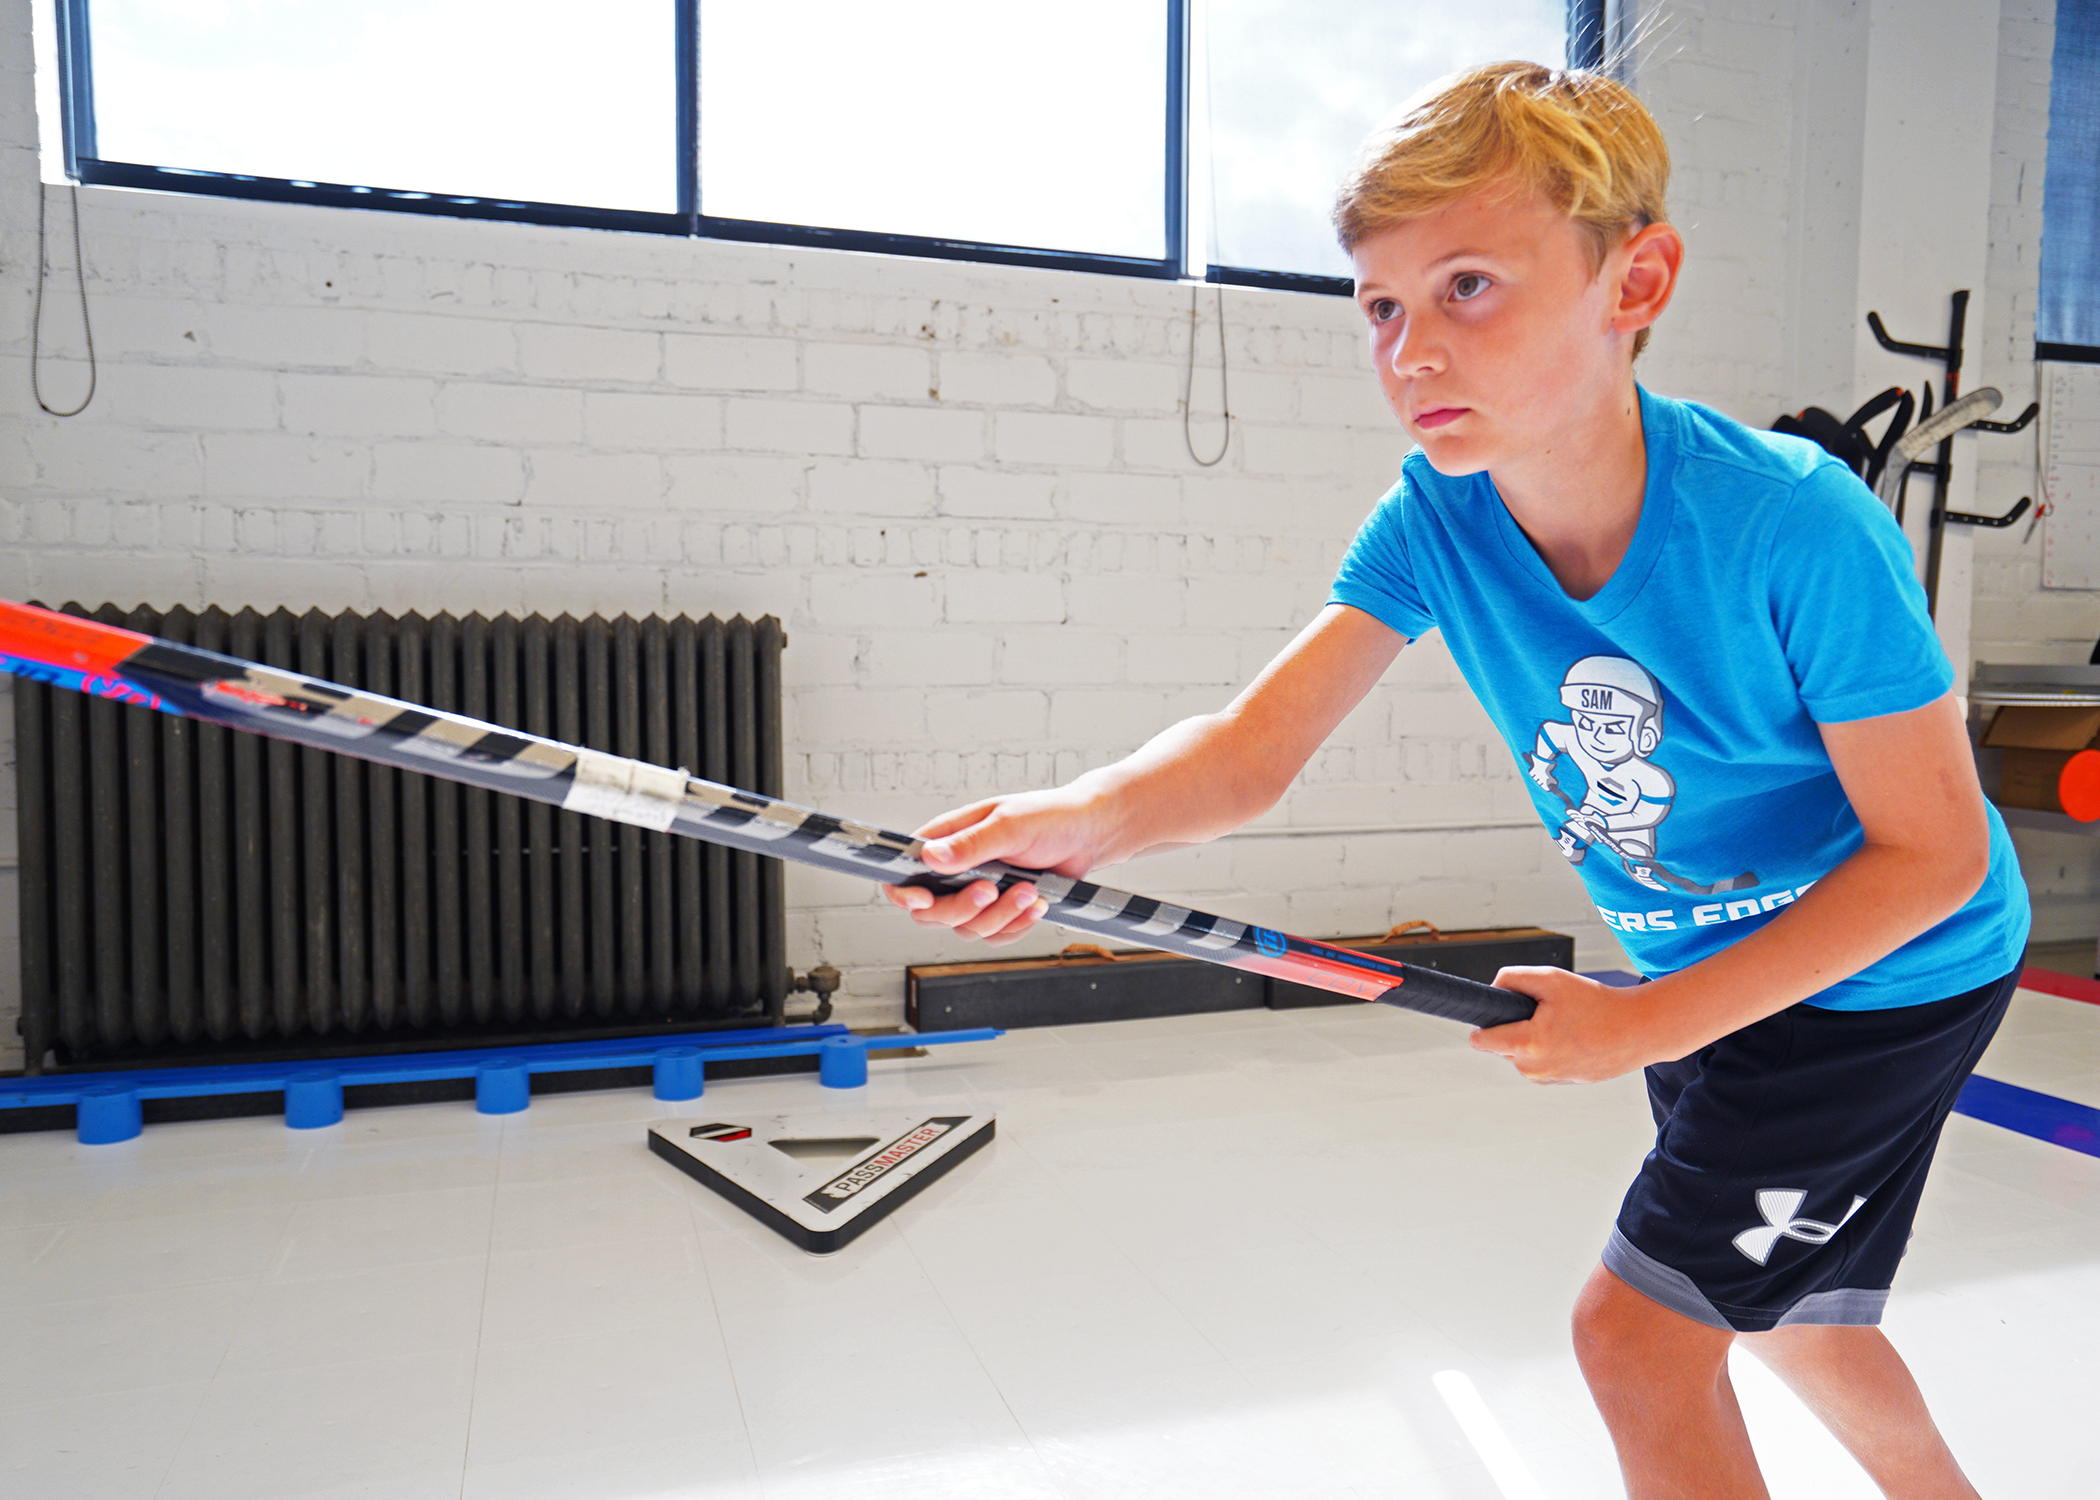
(1036, 830)
(1583, 1032)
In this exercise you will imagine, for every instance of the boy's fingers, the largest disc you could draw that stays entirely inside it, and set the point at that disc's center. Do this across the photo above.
(910, 897)
(1021, 926)
(999, 914)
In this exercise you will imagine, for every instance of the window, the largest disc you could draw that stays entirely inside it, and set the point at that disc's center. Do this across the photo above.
(1187, 137)
(1291, 88)
(2067, 322)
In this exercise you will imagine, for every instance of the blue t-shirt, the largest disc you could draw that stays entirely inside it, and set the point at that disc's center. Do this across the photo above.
(1667, 726)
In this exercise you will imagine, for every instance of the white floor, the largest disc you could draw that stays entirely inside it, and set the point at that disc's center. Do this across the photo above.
(1233, 1256)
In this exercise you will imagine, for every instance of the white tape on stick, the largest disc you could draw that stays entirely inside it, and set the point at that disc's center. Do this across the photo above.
(627, 791)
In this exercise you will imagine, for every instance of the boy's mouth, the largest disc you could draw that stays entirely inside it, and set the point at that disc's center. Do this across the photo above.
(1437, 416)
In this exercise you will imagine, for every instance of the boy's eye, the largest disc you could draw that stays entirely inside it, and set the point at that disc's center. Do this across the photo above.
(1383, 310)
(1467, 285)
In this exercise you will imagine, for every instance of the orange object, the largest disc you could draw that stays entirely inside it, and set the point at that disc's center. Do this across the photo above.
(2078, 786)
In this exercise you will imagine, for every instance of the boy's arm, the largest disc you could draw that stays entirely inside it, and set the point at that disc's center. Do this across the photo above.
(1194, 781)
(1911, 778)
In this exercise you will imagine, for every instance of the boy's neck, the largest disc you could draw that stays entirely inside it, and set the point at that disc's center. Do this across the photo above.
(1578, 495)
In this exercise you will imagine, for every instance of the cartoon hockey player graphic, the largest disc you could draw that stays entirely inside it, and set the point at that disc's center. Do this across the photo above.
(1615, 724)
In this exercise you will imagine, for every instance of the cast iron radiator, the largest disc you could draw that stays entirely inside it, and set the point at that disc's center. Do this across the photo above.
(189, 892)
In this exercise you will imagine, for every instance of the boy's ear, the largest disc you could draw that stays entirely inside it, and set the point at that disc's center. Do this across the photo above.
(1648, 263)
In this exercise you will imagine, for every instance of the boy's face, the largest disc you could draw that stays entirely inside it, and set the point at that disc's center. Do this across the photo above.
(1492, 337)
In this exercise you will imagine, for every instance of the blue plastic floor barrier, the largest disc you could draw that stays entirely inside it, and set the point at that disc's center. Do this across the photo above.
(107, 1105)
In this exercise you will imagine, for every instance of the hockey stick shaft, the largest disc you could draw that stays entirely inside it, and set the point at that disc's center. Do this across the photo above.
(111, 662)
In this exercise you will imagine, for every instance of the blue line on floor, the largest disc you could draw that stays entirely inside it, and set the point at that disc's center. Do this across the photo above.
(2043, 1116)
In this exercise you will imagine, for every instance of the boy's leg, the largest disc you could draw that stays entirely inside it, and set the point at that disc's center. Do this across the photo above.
(1660, 1380)
(1855, 1382)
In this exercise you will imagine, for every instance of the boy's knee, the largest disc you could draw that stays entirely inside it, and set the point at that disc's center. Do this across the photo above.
(1624, 1337)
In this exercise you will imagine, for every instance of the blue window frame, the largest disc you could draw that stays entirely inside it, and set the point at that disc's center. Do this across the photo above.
(456, 86)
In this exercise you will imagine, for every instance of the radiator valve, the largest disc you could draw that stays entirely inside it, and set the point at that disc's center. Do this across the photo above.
(822, 981)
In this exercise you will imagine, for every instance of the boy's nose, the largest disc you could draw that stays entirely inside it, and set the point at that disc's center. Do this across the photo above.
(1416, 351)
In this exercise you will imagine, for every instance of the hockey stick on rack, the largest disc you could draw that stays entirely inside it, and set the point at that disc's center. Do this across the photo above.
(1930, 433)
(108, 661)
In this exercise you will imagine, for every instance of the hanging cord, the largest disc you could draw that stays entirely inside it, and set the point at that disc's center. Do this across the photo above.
(36, 327)
(1188, 385)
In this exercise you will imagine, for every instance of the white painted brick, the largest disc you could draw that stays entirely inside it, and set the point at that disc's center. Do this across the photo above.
(620, 419)
(156, 327)
(1109, 716)
(70, 457)
(1150, 445)
(510, 413)
(1124, 499)
(1053, 438)
(735, 482)
(929, 434)
(195, 396)
(858, 716)
(269, 464)
(867, 372)
(870, 487)
(446, 471)
(928, 658)
(320, 338)
(359, 405)
(996, 379)
(603, 481)
(1003, 597)
(868, 601)
(755, 424)
(715, 362)
(553, 351)
(1208, 657)
(97, 578)
(1122, 385)
(1061, 656)
(966, 491)
(420, 342)
(987, 717)
(1231, 602)
(1126, 603)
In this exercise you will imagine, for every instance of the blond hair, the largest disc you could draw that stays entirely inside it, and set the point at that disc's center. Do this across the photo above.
(1579, 140)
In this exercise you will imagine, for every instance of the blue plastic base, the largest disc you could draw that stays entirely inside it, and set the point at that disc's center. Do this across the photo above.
(842, 1063)
(679, 1073)
(313, 1099)
(109, 1112)
(503, 1086)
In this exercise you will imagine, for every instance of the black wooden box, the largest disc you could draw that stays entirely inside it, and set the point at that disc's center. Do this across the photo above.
(1072, 990)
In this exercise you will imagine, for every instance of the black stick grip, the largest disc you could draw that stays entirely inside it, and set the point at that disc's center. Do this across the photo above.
(1455, 999)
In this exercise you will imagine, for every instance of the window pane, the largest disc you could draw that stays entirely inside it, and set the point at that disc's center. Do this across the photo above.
(531, 99)
(1002, 124)
(1295, 86)
(2070, 272)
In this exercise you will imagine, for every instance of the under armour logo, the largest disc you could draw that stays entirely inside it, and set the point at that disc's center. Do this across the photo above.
(1778, 1205)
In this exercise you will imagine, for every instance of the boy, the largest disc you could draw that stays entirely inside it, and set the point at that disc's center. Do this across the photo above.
(1706, 648)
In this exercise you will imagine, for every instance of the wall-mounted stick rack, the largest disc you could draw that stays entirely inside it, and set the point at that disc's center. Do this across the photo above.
(1942, 467)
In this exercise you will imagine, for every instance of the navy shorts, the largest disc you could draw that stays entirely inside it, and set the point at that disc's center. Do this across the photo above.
(1789, 1157)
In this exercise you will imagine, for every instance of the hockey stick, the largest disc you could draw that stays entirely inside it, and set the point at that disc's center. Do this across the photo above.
(1742, 882)
(110, 662)
(1930, 433)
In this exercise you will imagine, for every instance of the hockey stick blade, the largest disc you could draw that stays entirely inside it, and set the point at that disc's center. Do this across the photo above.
(107, 661)
(1947, 421)
(1930, 433)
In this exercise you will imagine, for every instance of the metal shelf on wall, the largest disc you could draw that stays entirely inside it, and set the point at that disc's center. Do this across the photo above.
(2032, 685)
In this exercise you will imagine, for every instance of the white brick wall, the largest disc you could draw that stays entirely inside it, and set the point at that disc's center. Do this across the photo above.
(965, 489)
